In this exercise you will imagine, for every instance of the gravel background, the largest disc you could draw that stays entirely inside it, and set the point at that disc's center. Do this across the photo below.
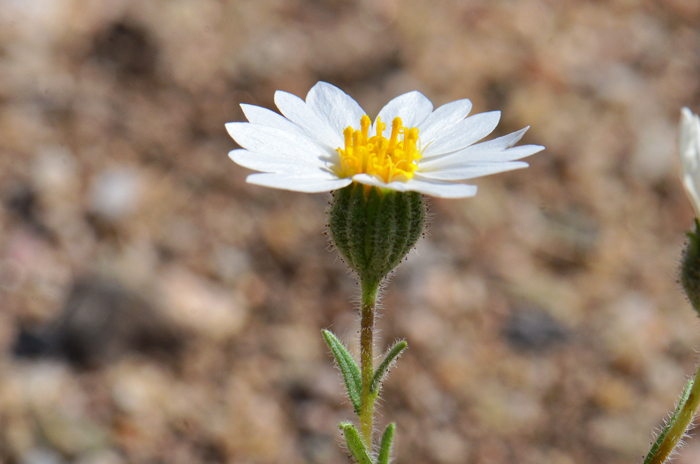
(154, 308)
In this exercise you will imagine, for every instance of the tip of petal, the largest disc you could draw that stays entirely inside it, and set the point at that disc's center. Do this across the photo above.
(517, 135)
(322, 85)
(232, 128)
(281, 96)
(232, 154)
(246, 106)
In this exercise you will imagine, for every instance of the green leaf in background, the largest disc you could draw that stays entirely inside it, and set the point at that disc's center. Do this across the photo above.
(385, 446)
(354, 442)
(348, 367)
(389, 358)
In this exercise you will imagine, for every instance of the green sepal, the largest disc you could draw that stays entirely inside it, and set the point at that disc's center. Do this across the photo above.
(374, 229)
(339, 214)
(684, 397)
(348, 367)
(690, 268)
(381, 233)
(404, 228)
(389, 358)
(417, 206)
(357, 448)
(357, 226)
(385, 446)
(373, 217)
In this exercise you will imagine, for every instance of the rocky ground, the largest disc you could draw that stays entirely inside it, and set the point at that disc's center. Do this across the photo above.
(156, 308)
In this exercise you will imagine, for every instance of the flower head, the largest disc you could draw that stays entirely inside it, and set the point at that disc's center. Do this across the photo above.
(328, 142)
(689, 151)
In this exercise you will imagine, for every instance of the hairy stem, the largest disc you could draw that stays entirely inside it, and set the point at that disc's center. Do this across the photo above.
(369, 302)
(681, 424)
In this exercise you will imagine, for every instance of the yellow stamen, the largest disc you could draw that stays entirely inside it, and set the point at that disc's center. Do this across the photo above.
(364, 124)
(393, 159)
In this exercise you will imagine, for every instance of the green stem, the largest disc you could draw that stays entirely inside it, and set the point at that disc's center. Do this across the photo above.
(681, 424)
(369, 302)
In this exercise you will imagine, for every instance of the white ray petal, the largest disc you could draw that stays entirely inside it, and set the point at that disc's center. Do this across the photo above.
(296, 110)
(477, 154)
(271, 163)
(470, 171)
(443, 118)
(271, 141)
(430, 187)
(265, 117)
(497, 144)
(441, 189)
(335, 106)
(323, 182)
(412, 108)
(689, 151)
(492, 146)
(506, 141)
(462, 134)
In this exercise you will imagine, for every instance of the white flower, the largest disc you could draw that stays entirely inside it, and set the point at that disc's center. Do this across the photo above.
(328, 142)
(689, 151)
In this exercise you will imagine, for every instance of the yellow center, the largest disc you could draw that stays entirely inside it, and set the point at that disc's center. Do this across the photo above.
(393, 159)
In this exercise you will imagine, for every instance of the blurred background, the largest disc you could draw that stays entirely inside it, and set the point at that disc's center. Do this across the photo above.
(154, 308)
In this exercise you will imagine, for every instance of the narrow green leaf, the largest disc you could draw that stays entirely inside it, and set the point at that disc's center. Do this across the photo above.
(385, 446)
(354, 442)
(671, 421)
(389, 359)
(348, 367)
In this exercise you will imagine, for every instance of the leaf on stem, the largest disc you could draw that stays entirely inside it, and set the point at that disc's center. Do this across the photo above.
(684, 397)
(389, 358)
(385, 446)
(354, 442)
(348, 367)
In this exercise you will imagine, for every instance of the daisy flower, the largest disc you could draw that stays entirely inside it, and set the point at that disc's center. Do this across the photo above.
(327, 142)
(689, 151)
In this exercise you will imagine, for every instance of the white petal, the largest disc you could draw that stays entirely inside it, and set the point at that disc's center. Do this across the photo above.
(375, 181)
(441, 189)
(462, 134)
(334, 106)
(493, 146)
(505, 141)
(691, 191)
(412, 108)
(470, 171)
(478, 154)
(511, 154)
(689, 151)
(265, 117)
(270, 163)
(268, 140)
(433, 188)
(688, 140)
(296, 110)
(308, 184)
(443, 118)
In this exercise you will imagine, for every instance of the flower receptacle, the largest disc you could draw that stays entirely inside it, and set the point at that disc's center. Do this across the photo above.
(374, 229)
